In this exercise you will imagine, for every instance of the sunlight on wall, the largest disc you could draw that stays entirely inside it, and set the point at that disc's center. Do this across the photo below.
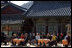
(19, 2)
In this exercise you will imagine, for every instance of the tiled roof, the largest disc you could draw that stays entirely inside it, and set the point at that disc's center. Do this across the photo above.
(50, 8)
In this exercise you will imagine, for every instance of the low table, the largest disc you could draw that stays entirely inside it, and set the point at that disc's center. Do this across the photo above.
(17, 41)
(43, 40)
(64, 42)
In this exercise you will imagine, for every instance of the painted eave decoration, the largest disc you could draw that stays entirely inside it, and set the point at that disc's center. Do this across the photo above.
(11, 8)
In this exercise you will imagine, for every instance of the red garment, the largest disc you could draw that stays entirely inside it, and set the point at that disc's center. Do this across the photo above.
(61, 35)
(57, 34)
(22, 36)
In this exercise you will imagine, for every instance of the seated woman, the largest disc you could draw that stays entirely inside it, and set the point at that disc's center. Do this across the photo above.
(25, 39)
(48, 36)
(37, 36)
(33, 37)
(61, 36)
(58, 37)
(67, 37)
(22, 36)
(53, 40)
(13, 37)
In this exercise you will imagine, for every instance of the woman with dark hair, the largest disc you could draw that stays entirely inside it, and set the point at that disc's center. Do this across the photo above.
(22, 36)
(48, 36)
(37, 36)
(53, 40)
(67, 37)
(25, 39)
(58, 37)
(61, 36)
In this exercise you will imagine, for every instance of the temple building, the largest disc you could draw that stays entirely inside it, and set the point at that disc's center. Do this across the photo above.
(47, 16)
(11, 17)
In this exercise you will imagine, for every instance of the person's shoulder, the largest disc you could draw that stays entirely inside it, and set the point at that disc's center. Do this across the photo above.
(68, 36)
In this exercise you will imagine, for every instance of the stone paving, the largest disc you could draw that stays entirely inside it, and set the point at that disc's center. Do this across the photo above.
(10, 45)
(23, 46)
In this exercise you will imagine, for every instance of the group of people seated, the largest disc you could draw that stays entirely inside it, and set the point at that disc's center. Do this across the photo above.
(54, 38)
(5, 38)
(32, 38)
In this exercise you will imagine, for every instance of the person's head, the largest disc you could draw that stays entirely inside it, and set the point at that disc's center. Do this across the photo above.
(57, 34)
(26, 34)
(14, 34)
(48, 34)
(37, 33)
(61, 33)
(68, 33)
(6, 34)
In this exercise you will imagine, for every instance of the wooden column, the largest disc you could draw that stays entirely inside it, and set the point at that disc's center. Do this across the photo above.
(63, 26)
(59, 26)
(46, 26)
(34, 25)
